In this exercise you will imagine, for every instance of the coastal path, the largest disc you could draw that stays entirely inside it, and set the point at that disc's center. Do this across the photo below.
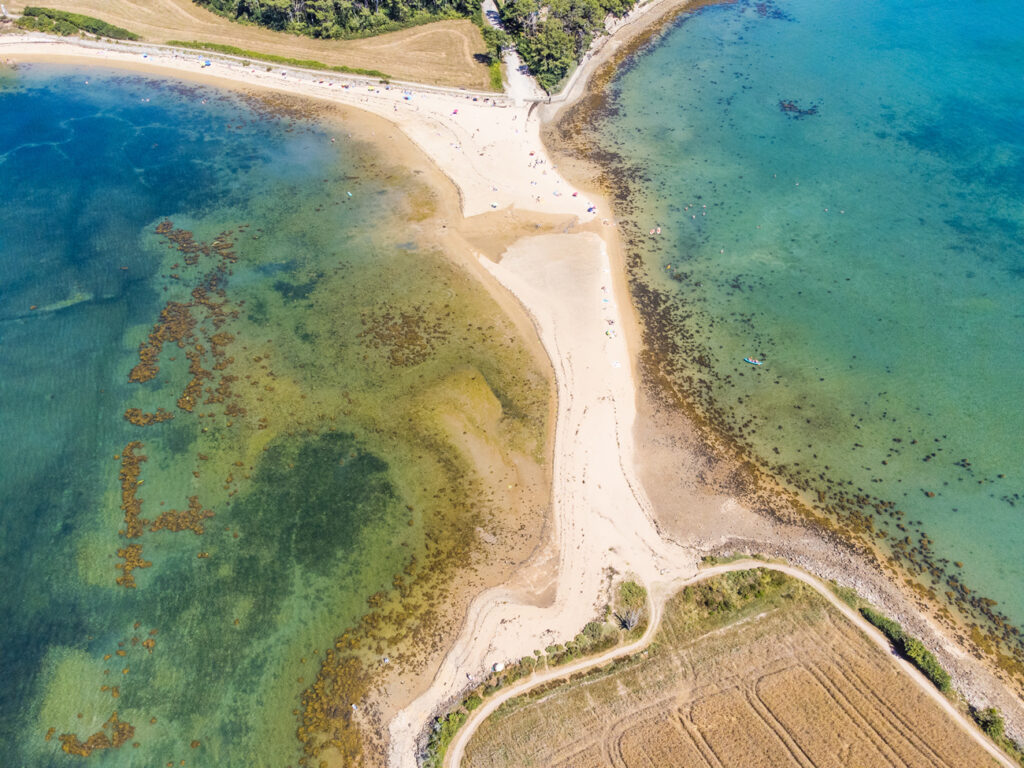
(519, 83)
(656, 603)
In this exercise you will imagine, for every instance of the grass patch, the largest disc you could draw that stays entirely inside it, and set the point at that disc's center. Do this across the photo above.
(847, 594)
(497, 83)
(708, 560)
(596, 637)
(273, 59)
(910, 648)
(65, 23)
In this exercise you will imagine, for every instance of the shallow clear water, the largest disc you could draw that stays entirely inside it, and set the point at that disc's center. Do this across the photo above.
(840, 191)
(309, 352)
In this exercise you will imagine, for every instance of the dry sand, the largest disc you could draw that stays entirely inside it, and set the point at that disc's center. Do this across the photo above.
(573, 288)
(441, 53)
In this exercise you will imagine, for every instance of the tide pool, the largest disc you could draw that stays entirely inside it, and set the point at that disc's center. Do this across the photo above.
(840, 193)
(230, 366)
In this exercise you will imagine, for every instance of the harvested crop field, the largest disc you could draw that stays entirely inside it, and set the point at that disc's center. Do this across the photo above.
(748, 669)
(441, 53)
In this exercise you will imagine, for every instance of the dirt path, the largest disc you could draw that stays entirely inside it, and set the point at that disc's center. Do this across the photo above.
(519, 83)
(656, 602)
(441, 53)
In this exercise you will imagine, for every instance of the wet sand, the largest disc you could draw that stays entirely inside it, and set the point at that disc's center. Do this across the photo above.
(635, 486)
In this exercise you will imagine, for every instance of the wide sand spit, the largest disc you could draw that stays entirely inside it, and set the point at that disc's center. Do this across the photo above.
(572, 286)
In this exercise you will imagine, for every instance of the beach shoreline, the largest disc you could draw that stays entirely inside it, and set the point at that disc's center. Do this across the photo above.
(678, 453)
(562, 283)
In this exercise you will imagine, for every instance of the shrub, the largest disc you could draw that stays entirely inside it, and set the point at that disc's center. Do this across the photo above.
(991, 722)
(910, 648)
(889, 628)
(445, 729)
(473, 702)
(66, 23)
(632, 595)
(593, 631)
(923, 659)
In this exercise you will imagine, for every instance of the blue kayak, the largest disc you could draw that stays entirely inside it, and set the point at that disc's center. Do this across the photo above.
(752, 361)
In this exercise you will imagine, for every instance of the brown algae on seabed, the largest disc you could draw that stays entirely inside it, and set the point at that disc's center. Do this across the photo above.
(722, 452)
(355, 430)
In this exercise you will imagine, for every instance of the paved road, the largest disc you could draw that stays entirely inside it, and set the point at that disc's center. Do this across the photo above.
(453, 758)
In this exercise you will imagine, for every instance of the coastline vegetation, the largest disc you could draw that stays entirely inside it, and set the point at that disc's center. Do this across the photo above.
(707, 628)
(339, 20)
(990, 720)
(273, 59)
(552, 36)
(910, 648)
(66, 23)
(594, 638)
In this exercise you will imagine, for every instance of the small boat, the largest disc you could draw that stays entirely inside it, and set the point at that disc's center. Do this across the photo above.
(752, 361)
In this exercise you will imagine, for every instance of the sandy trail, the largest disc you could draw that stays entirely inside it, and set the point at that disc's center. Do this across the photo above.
(490, 148)
(601, 517)
(492, 151)
(657, 597)
(441, 53)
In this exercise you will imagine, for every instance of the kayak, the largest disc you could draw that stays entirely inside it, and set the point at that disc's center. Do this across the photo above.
(752, 361)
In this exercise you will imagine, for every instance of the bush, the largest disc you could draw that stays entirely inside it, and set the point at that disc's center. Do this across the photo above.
(990, 721)
(923, 659)
(632, 595)
(473, 702)
(445, 729)
(593, 631)
(66, 23)
(910, 648)
(889, 628)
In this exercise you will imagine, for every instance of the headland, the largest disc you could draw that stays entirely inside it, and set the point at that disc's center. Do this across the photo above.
(540, 235)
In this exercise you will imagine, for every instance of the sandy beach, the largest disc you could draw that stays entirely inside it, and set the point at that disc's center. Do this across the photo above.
(623, 498)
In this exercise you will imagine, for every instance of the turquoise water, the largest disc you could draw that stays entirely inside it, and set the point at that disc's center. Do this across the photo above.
(303, 496)
(840, 191)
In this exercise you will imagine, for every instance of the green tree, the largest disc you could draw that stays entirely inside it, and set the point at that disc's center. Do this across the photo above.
(991, 722)
(549, 54)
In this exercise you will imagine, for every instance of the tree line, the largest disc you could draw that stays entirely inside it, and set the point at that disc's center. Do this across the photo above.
(340, 18)
(552, 35)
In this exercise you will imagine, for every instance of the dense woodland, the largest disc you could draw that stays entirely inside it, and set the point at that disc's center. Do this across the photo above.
(340, 18)
(551, 35)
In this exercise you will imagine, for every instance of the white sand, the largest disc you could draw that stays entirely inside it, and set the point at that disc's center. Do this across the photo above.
(601, 516)
(491, 150)
(493, 153)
